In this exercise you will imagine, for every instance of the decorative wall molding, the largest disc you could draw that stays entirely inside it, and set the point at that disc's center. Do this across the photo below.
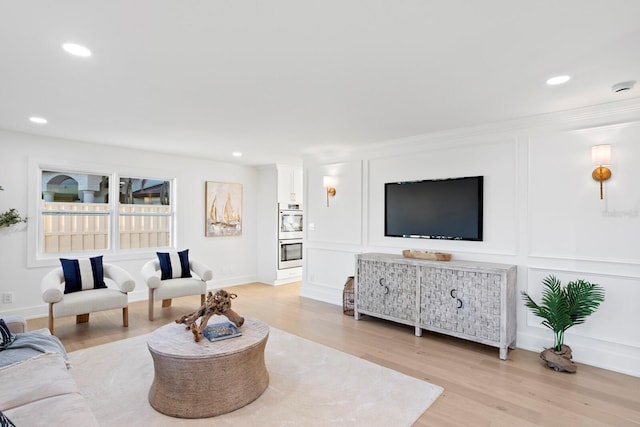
(615, 126)
(602, 260)
(627, 111)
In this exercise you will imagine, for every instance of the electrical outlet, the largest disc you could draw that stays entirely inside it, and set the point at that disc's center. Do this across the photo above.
(7, 298)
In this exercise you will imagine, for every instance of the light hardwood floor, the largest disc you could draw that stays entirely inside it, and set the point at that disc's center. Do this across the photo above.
(480, 389)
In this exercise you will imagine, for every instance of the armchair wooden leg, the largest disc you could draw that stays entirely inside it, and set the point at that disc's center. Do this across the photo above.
(125, 317)
(166, 303)
(203, 298)
(82, 318)
(51, 318)
(151, 303)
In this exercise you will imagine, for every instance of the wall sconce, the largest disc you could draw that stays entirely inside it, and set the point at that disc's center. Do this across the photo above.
(601, 156)
(329, 184)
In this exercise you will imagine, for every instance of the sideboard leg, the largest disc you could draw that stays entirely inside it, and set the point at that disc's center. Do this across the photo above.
(503, 353)
(418, 331)
(356, 315)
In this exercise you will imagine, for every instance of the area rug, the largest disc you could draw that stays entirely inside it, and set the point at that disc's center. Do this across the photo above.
(309, 384)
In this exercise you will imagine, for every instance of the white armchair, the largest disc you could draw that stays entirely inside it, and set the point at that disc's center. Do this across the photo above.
(167, 289)
(81, 303)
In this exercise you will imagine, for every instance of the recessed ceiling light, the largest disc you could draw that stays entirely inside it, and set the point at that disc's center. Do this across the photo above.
(236, 154)
(76, 49)
(558, 80)
(38, 120)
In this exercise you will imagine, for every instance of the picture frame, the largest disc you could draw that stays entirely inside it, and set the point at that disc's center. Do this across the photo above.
(223, 209)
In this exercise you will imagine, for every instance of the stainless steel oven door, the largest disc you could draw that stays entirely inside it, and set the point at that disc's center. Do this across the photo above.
(290, 224)
(290, 253)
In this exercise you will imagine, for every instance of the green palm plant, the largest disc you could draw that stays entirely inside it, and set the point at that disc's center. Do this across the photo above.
(563, 307)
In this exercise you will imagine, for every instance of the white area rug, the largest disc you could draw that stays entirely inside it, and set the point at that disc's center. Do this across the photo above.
(309, 385)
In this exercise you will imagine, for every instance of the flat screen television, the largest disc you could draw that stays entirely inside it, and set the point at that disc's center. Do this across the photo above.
(448, 209)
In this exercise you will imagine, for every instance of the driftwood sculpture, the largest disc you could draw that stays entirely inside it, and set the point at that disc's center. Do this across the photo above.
(559, 360)
(218, 303)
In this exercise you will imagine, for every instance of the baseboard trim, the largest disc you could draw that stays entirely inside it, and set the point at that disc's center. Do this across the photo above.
(590, 352)
(321, 293)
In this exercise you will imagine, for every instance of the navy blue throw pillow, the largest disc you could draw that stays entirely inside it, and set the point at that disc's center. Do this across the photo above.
(174, 265)
(82, 274)
(6, 335)
(5, 422)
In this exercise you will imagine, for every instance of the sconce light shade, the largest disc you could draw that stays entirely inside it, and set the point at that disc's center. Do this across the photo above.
(600, 156)
(329, 183)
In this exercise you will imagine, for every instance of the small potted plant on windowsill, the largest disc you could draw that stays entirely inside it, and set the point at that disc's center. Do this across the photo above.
(10, 217)
(561, 308)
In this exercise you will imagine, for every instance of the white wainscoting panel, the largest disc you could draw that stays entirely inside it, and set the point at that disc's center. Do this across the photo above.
(326, 271)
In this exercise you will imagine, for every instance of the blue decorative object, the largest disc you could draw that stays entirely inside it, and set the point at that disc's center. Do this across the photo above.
(6, 335)
(174, 265)
(82, 274)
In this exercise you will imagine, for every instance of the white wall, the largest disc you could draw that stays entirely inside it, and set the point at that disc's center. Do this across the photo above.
(233, 259)
(542, 212)
(267, 202)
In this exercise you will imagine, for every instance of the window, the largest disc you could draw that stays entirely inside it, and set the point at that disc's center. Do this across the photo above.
(145, 213)
(85, 213)
(75, 215)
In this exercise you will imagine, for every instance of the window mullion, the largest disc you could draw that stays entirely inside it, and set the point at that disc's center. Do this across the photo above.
(114, 207)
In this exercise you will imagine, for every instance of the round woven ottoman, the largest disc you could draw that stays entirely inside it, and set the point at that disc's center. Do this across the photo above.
(205, 379)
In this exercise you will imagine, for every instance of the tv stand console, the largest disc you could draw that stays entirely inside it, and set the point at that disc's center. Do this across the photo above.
(471, 300)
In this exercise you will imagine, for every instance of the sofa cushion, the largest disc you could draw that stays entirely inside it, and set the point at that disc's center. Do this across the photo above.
(65, 410)
(174, 265)
(6, 337)
(34, 379)
(82, 274)
(40, 391)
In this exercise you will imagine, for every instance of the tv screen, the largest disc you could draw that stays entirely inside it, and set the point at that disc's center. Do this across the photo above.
(434, 209)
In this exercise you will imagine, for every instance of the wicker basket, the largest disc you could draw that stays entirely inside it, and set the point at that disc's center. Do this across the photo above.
(348, 297)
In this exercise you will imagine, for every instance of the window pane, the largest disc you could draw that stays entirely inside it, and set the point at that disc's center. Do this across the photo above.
(74, 187)
(74, 212)
(140, 191)
(145, 213)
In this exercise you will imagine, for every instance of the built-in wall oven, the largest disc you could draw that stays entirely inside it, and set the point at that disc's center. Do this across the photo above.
(290, 224)
(290, 253)
(289, 236)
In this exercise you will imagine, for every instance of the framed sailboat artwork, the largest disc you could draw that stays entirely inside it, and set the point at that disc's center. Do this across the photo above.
(223, 204)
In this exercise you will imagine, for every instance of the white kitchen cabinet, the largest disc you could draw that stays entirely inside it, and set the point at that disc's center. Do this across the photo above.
(289, 185)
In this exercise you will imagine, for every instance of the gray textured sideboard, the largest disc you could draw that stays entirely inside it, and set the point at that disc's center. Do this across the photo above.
(470, 300)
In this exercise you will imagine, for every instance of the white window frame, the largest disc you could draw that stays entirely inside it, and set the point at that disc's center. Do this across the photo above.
(171, 215)
(37, 258)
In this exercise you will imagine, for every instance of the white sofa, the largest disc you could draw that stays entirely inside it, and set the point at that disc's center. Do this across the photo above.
(39, 390)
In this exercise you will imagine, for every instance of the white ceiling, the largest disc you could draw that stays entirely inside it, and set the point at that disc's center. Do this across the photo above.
(278, 79)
